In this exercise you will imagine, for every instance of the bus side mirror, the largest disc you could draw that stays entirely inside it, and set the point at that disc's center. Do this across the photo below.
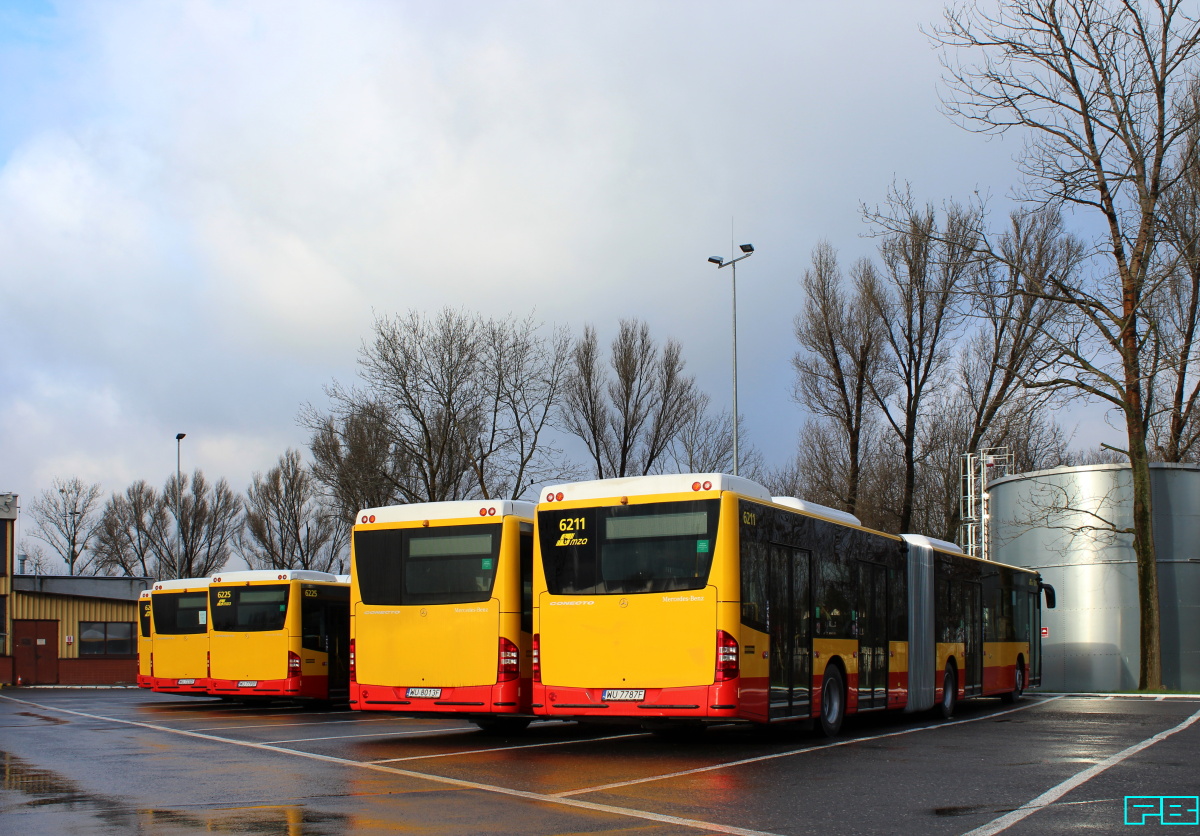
(1049, 592)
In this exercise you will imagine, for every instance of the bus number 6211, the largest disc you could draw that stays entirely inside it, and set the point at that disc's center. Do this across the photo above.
(570, 524)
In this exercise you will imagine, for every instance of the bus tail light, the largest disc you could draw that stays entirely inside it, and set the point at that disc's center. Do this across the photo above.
(537, 657)
(510, 661)
(727, 657)
(353, 678)
(293, 663)
(152, 664)
(208, 664)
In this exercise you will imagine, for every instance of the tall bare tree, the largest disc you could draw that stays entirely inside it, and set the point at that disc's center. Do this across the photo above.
(124, 544)
(1099, 90)
(841, 338)
(1175, 422)
(196, 535)
(450, 407)
(65, 518)
(705, 444)
(353, 457)
(628, 420)
(286, 525)
(926, 265)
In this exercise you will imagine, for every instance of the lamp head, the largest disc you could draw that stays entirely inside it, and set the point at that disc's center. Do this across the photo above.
(717, 260)
(747, 248)
(180, 436)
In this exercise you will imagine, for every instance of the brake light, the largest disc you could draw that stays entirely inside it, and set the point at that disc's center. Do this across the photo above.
(510, 661)
(537, 657)
(727, 657)
(152, 664)
(353, 678)
(208, 664)
(293, 663)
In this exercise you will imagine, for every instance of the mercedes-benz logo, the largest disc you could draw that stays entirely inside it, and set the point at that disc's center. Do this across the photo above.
(624, 602)
(424, 612)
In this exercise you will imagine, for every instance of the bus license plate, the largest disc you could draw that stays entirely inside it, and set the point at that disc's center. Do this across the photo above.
(624, 694)
(187, 682)
(248, 683)
(424, 692)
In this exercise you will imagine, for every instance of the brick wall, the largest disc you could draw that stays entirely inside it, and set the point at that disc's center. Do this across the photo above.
(97, 671)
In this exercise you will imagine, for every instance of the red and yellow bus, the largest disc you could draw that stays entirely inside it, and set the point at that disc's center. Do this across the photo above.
(442, 611)
(145, 645)
(179, 629)
(279, 634)
(690, 599)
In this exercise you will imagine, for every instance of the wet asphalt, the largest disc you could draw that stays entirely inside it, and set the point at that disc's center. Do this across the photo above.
(118, 761)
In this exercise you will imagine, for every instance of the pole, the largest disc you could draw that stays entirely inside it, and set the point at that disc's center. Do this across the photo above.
(735, 402)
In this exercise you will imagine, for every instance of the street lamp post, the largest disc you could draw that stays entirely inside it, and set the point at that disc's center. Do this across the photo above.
(179, 437)
(747, 251)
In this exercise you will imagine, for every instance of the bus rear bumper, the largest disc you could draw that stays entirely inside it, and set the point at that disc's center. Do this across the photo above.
(500, 698)
(312, 686)
(717, 701)
(194, 687)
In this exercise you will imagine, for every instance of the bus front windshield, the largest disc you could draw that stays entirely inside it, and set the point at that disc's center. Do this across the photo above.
(658, 547)
(249, 609)
(453, 564)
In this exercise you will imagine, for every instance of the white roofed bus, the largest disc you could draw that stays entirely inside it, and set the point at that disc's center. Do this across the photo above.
(280, 634)
(442, 612)
(680, 600)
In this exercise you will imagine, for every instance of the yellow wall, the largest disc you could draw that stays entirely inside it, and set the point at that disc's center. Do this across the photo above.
(68, 612)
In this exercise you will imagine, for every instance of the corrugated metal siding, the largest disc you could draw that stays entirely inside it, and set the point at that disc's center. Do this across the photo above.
(68, 612)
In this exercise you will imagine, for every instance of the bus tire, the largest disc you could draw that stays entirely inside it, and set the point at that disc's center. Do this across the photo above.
(501, 725)
(946, 705)
(1018, 690)
(833, 701)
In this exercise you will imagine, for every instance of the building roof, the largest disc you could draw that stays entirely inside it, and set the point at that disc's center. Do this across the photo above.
(76, 586)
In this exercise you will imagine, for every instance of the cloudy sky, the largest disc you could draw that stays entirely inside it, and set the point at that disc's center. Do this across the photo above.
(203, 205)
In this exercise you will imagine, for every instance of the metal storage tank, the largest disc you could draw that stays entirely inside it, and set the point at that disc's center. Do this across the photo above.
(1066, 523)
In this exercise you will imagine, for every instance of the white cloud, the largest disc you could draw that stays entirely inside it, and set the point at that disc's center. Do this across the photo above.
(196, 233)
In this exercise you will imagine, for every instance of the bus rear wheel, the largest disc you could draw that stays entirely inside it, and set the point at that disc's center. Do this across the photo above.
(833, 701)
(1018, 690)
(949, 700)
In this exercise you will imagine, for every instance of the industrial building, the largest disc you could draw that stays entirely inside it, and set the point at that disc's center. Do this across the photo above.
(62, 629)
(1072, 524)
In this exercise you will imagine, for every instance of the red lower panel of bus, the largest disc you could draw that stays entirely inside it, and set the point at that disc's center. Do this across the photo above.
(1000, 679)
(501, 698)
(719, 700)
(178, 686)
(309, 686)
(145, 681)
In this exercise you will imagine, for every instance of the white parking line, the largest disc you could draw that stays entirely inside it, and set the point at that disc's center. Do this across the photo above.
(507, 748)
(788, 754)
(1056, 792)
(644, 815)
(455, 730)
(289, 725)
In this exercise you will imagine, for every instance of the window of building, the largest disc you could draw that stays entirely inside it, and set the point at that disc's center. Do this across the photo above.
(105, 638)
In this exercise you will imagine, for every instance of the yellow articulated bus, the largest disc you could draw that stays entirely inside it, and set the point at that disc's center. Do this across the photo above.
(442, 610)
(689, 599)
(145, 645)
(280, 634)
(179, 630)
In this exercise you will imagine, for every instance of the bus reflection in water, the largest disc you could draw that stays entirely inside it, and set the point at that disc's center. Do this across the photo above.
(441, 611)
(681, 600)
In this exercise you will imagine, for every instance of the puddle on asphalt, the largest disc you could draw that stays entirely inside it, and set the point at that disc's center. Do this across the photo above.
(25, 788)
(58, 721)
